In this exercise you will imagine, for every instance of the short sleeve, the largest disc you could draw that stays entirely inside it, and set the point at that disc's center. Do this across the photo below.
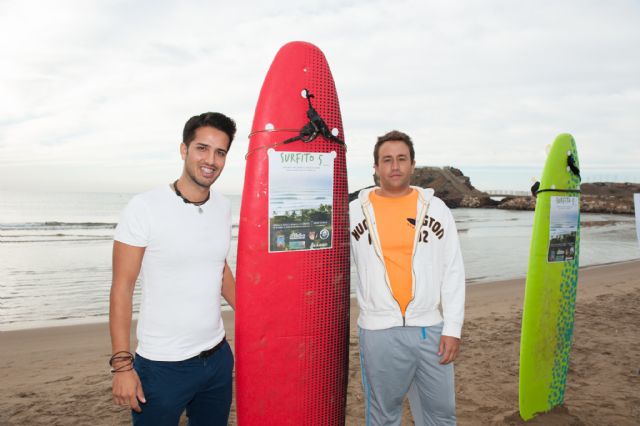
(134, 225)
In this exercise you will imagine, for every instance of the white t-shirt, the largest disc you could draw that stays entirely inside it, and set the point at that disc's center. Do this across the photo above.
(181, 274)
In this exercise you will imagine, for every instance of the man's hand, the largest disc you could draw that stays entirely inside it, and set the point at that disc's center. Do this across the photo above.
(127, 389)
(449, 349)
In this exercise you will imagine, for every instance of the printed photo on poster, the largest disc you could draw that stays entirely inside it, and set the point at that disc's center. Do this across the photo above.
(564, 220)
(300, 200)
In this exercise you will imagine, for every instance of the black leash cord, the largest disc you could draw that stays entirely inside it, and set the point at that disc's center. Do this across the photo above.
(571, 163)
(316, 126)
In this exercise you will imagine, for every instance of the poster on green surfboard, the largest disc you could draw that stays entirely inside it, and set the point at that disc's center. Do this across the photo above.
(564, 220)
(636, 202)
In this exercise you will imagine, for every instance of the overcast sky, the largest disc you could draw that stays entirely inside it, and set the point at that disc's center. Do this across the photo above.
(94, 94)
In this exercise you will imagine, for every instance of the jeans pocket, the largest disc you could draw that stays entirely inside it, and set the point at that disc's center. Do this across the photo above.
(141, 365)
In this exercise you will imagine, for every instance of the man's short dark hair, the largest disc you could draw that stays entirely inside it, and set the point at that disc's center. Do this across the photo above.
(208, 119)
(394, 135)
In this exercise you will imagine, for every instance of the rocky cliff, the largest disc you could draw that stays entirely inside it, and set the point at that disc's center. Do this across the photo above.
(451, 185)
(455, 189)
(597, 197)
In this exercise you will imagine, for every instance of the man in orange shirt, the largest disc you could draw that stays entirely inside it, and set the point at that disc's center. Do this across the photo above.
(411, 291)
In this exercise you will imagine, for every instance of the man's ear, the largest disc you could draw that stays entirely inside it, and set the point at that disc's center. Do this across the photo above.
(183, 151)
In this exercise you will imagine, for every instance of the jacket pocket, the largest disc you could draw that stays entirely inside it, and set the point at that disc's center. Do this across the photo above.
(426, 296)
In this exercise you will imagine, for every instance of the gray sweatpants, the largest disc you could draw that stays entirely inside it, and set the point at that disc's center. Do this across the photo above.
(402, 360)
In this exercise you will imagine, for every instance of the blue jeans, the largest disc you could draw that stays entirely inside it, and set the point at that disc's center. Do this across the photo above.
(202, 386)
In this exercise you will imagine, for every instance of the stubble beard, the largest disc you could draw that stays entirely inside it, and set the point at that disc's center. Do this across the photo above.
(395, 187)
(200, 182)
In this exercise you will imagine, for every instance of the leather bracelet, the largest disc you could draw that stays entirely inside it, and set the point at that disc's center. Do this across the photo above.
(117, 357)
(122, 369)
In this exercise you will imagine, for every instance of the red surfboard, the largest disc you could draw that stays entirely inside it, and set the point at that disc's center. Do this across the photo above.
(292, 313)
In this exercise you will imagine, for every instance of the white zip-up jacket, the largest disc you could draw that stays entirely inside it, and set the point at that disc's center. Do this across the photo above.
(437, 268)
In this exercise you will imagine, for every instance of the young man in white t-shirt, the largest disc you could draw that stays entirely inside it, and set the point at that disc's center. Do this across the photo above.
(176, 239)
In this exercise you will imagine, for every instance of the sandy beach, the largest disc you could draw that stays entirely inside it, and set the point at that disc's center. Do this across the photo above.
(59, 376)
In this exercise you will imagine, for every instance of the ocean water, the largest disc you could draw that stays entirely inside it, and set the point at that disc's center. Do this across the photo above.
(55, 252)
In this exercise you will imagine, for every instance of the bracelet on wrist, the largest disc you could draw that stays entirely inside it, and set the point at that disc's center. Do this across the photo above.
(121, 356)
(124, 359)
(127, 367)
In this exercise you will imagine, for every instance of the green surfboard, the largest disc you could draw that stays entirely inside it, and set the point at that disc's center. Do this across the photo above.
(552, 278)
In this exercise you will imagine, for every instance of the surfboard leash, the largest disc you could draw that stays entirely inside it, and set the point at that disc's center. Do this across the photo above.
(571, 163)
(310, 131)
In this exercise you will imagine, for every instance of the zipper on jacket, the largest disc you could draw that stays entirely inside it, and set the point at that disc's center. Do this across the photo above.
(416, 241)
(378, 249)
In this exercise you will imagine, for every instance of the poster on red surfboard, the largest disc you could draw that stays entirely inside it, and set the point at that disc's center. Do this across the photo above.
(300, 200)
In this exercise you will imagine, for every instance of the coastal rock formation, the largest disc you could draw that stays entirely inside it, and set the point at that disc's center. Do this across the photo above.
(455, 189)
(517, 203)
(608, 197)
(597, 197)
(451, 185)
